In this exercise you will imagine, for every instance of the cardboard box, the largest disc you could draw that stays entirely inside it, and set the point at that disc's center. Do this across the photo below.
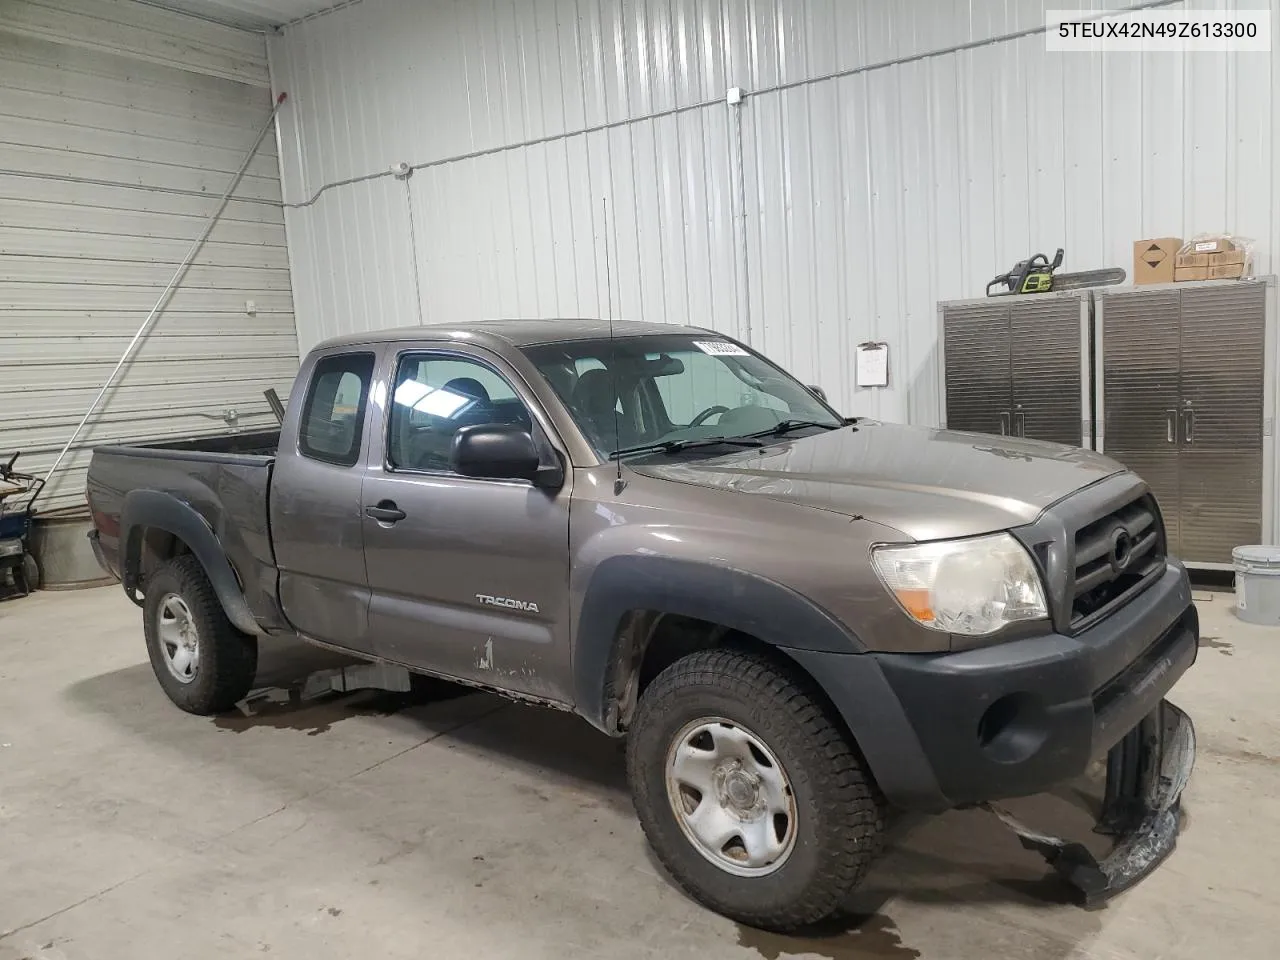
(1192, 260)
(1210, 245)
(1226, 271)
(1190, 273)
(1153, 259)
(1225, 258)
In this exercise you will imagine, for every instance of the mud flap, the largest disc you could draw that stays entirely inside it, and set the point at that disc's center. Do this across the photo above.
(1146, 773)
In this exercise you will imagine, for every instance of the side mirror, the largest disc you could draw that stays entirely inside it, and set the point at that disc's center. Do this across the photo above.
(818, 392)
(501, 451)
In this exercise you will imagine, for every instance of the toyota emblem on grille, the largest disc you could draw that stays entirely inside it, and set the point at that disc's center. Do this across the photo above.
(1121, 549)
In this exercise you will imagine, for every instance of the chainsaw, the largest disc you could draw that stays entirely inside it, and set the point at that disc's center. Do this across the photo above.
(1036, 275)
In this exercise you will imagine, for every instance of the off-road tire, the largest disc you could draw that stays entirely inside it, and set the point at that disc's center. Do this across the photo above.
(228, 658)
(839, 810)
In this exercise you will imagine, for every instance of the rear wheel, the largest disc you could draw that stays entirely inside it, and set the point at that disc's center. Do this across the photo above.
(749, 792)
(203, 663)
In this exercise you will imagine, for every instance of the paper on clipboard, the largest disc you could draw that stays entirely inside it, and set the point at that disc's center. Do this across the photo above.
(872, 364)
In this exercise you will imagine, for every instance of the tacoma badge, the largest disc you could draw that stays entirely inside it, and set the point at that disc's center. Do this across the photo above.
(510, 604)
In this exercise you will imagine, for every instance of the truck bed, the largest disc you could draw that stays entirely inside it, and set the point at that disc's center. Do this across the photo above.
(225, 480)
(259, 444)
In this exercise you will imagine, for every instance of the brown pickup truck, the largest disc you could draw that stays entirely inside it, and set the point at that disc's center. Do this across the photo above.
(800, 621)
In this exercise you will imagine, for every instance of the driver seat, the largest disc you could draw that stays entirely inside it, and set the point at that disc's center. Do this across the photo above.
(467, 387)
(595, 400)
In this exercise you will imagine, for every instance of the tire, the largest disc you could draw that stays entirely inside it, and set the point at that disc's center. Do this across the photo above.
(222, 672)
(835, 814)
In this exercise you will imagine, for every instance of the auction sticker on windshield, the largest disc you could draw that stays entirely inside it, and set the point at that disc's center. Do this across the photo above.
(720, 348)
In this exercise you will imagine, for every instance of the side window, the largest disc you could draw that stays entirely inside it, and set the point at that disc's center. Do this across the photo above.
(435, 396)
(334, 410)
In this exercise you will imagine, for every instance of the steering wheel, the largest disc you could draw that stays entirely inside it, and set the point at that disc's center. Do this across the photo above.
(707, 414)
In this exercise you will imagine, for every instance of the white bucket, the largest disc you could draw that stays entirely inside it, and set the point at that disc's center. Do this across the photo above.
(1257, 584)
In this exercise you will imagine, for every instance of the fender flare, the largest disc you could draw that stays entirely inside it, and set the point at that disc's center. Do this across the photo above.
(152, 509)
(733, 598)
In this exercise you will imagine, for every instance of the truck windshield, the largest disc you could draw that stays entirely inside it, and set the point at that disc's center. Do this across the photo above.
(640, 394)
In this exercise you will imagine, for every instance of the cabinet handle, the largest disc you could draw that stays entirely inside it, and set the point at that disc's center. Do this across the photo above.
(1171, 433)
(1020, 424)
(1004, 424)
(1188, 425)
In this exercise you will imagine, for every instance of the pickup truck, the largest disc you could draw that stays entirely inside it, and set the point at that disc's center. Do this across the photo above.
(800, 621)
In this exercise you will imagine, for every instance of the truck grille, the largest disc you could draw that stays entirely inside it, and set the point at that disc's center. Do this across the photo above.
(1114, 557)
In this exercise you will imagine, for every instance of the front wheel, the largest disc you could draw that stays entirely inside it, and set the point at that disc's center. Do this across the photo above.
(202, 661)
(751, 795)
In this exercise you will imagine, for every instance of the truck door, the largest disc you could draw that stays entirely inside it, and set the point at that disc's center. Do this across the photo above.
(316, 515)
(469, 577)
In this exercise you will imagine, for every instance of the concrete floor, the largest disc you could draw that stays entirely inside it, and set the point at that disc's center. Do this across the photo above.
(473, 827)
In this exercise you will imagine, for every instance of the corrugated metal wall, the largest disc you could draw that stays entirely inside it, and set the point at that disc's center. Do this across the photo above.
(120, 126)
(821, 212)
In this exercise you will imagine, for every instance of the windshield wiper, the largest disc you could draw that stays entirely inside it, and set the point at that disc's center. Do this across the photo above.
(786, 426)
(675, 446)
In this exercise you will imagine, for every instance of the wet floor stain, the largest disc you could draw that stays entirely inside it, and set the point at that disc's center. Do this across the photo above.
(1244, 755)
(1217, 643)
(868, 937)
(283, 708)
(316, 716)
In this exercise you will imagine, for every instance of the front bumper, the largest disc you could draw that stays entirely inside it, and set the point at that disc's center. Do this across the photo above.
(1014, 719)
(1146, 773)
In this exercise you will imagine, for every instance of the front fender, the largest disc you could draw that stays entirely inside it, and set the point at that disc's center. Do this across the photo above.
(152, 509)
(730, 597)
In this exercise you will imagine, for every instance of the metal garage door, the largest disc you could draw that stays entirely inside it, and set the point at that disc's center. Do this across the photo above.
(122, 125)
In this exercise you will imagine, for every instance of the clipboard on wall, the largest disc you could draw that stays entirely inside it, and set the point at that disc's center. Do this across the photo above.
(871, 363)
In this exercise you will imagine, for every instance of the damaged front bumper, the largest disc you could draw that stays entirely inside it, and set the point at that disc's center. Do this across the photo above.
(1146, 774)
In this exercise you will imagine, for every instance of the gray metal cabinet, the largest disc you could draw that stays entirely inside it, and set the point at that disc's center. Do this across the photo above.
(1184, 384)
(1018, 366)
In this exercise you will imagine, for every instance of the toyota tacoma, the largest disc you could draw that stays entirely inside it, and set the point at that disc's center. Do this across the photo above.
(800, 621)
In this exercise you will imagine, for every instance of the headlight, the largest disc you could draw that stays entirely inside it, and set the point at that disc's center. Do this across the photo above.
(970, 587)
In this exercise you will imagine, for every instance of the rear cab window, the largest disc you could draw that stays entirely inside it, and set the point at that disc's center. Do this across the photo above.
(333, 413)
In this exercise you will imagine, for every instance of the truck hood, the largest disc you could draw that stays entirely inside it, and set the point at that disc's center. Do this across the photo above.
(928, 484)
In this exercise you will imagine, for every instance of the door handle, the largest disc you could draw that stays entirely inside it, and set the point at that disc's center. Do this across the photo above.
(1020, 424)
(386, 511)
(1170, 429)
(1188, 425)
(1004, 424)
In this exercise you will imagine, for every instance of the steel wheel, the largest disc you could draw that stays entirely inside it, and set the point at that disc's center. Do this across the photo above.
(179, 639)
(731, 797)
(752, 795)
(203, 663)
